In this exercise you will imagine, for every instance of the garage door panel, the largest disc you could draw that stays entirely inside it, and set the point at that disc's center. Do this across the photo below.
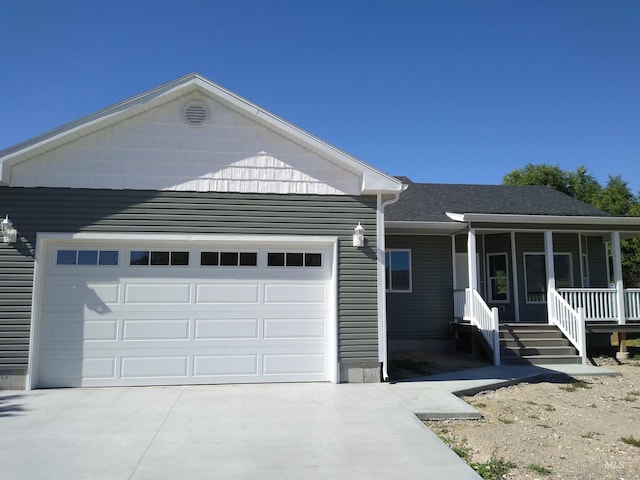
(294, 294)
(294, 328)
(69, 370)
(227, 329)
(286, 364)
(225, 365)
(155, 294)
(224, 293)
(136, 330)
(88, 331)
(74, 292)
(154, 366)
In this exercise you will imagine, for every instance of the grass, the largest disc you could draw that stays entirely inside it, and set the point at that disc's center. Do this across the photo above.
(495, 469)
(539, 469)
(631, 440)
(575, 386)
(590, 435)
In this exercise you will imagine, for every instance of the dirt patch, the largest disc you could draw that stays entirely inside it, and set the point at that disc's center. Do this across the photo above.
(406, 365)
(569, 429)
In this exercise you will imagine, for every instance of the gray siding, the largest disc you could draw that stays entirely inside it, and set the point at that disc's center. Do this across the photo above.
(597, 252)
(80, 210)
(427, 311)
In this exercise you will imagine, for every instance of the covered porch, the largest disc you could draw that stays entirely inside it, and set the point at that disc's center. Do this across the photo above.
(568, 275)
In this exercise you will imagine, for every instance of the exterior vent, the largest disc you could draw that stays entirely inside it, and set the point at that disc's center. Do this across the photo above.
(196, 114)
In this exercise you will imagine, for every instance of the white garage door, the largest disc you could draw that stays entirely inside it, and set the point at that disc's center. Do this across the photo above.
(163, 314)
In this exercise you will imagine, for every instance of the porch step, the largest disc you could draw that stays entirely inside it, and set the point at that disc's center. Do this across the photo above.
(535, 343)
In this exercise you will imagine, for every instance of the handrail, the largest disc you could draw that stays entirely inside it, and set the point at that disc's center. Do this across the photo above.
(487, 321)
(569, 320)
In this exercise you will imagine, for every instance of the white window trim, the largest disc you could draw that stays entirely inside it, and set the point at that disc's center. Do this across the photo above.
(524, 267)
(410, 290)
(489, 278)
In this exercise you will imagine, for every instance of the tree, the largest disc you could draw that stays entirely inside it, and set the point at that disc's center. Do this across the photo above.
(548, 175)
(615, 198)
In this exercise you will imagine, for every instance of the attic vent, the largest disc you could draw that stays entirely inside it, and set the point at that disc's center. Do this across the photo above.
(196, 114)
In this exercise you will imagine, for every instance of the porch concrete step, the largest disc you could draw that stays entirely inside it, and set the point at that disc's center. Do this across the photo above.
(538, 342)
(535, 343)
(526, 331)
(536, 350)
(542, 360)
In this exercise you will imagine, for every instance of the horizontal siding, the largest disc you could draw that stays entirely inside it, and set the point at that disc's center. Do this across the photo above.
(78, 210)
(427, 311)
(597, 254)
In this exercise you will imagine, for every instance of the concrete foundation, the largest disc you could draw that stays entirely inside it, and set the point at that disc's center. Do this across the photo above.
(358, 372)
(13, 379)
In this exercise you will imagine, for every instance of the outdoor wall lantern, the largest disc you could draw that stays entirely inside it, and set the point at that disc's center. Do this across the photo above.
(9, 233)
(358, 236)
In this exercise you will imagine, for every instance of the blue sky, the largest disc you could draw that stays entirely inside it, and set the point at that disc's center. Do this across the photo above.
(457, 91)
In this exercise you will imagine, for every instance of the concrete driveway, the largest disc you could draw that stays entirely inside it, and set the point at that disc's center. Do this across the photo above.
(282, 431)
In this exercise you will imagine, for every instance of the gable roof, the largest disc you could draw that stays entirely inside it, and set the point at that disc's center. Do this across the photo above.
(372, 181)
(430, 202)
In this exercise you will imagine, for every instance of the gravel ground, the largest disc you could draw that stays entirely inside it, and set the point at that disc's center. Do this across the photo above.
(570, 429)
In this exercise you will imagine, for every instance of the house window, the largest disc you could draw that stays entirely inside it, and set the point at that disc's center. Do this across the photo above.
(398, 270)
(536, 275)
(498, 277)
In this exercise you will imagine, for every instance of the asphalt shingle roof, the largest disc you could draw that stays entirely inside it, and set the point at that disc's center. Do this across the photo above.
(428, 202)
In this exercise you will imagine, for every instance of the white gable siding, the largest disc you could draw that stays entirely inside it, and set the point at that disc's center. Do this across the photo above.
(157, 150)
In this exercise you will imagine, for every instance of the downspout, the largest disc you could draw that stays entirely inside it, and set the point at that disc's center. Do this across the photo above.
(382, 294)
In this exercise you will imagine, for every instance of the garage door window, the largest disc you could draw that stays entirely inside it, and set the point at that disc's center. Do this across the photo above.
(294, 259)
(158, 257)
(228, 259)
(87, 257)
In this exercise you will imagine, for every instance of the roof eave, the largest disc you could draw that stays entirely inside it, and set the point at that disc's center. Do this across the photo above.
(544, 219)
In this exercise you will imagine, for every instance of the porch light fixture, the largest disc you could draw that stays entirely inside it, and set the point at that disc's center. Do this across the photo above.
(358, 236)
(9, 233)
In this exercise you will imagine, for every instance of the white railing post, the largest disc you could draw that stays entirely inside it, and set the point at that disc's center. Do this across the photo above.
(582, 335)
(495, 324)
(617, 276)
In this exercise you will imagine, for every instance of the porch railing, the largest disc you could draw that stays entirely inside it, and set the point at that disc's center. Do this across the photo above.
(600, 304)
(632, 303)
(569, 320)
(486, 320)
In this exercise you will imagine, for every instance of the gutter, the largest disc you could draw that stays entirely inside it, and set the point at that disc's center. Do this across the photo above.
(549, 219)
(382, 294)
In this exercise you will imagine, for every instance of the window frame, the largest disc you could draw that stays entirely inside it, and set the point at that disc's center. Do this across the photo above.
(78, 253)
(491, 278)
(544, 266)
(388, 264)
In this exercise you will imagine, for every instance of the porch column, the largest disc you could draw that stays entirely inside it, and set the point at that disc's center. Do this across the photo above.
(473, 274)
(617, 276)
(471, 258)
(548, 258)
